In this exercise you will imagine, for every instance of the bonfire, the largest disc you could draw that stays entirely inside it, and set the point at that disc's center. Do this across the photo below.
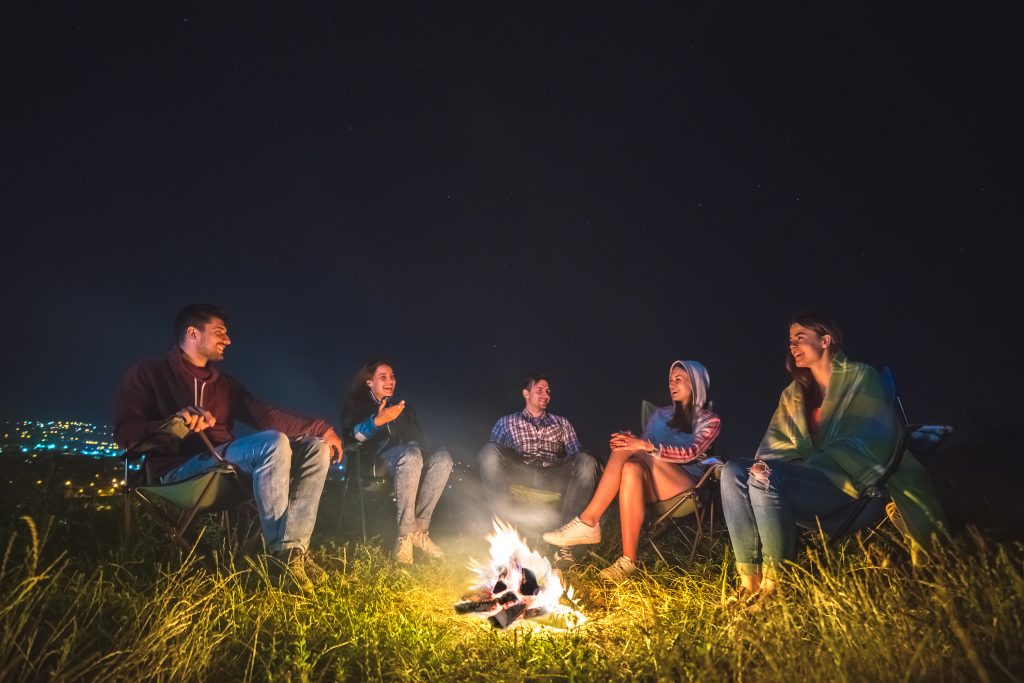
(517, 585)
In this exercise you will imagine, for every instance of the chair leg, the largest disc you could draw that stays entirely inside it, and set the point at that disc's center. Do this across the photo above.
(362, 501)
(654, 545)
(125, 500)
(698, 516)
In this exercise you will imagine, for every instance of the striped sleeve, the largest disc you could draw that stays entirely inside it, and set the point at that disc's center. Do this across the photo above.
(704, 435)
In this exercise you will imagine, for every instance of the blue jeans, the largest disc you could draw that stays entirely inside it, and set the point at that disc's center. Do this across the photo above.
(575, 477)
(761, 512)
(287, 480)
(416, 496)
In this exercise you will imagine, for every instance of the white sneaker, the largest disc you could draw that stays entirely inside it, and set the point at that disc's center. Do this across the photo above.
(421, 540)
(402, 552)
(574, 533)
(618, 570)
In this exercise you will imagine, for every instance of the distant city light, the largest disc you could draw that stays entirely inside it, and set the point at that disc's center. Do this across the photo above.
(71, 436)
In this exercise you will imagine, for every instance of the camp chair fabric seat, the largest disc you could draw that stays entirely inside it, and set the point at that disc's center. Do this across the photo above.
(529, 494)
(215, 490)
(678, 506)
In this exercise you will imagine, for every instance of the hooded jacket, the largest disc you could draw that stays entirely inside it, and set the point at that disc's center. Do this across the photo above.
(856, 435)
(153, 390)
(685, 446)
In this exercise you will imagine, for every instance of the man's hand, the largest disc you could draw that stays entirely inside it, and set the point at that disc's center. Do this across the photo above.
(196, 419)
(337, 447)
(386, 413)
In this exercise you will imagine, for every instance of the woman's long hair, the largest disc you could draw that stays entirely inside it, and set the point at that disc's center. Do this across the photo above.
(682, 418)
(810, 390)
(365, 373)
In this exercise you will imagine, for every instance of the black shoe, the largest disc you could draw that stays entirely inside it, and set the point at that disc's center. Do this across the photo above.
(563, 558)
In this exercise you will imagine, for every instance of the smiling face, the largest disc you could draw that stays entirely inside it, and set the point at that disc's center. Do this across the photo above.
(679, 387)
(538, 396)
(806, 346)
(209, 341)
(383, 381)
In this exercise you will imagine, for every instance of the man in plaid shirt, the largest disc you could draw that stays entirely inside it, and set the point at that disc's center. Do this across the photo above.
(539, 450)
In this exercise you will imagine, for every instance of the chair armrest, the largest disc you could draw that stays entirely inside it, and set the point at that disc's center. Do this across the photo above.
(927, 438)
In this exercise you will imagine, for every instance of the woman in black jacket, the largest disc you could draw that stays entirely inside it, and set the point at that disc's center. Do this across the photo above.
(390, 431)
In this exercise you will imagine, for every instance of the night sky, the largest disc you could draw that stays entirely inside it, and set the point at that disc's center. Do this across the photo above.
(484, 191)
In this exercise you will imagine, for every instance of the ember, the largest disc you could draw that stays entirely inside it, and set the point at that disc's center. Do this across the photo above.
(518, 584)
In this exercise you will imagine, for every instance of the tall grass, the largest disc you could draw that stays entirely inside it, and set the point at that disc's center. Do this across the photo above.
(845, 616)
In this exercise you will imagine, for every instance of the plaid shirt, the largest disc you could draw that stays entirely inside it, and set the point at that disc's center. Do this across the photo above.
(542, 441)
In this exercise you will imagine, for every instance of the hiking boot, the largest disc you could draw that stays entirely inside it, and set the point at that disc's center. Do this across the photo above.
(402, 552)
(574, 533)
(421, 540)
(618, 570)
(294, 568)
(314, 570)
(563, 558)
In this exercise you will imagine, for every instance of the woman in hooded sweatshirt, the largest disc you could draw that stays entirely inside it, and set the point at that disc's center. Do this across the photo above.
(391, 432)
(654, 467)
(831, 437)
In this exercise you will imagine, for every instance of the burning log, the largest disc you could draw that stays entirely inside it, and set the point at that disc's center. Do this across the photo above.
(518, 584)
(506, 616)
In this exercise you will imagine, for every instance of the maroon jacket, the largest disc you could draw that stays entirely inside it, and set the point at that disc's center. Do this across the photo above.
(154, 390)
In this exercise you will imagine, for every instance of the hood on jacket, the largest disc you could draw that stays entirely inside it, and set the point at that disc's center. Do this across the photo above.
(700, 382)
(194, 376)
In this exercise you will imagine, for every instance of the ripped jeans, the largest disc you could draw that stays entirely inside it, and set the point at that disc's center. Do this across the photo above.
(761, 509)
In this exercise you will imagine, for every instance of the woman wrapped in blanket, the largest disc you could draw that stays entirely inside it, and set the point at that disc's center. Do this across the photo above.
(831, 436)
(654, 467)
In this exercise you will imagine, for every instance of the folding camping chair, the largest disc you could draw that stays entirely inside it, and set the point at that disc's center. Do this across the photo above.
(217, 491)
(697, 501)
(373, 479)
(869, 510)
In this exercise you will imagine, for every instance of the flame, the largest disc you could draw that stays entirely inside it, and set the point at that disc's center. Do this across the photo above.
(511, 562)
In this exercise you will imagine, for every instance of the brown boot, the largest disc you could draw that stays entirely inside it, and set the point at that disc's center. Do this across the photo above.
(314, 570)
(294, 568)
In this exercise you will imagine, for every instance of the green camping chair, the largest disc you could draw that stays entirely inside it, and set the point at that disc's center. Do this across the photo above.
(217, 491)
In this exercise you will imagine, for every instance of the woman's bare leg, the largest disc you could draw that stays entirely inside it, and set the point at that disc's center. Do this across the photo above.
(645, 479)
(631, 505)
(607, 488)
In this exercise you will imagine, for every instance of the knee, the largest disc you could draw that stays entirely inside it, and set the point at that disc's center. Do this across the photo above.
(760, 478)
(621, 454)
(585, 463)
(734, 472)
(411, 456)
(276, 447)
(441, 459)
(489, 456)
(632, 472)
(319, 453)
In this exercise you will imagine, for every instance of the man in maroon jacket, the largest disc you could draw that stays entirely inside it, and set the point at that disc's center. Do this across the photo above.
(288, 460)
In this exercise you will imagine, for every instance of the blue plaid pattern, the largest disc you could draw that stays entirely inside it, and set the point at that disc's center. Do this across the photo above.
(542, 441)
